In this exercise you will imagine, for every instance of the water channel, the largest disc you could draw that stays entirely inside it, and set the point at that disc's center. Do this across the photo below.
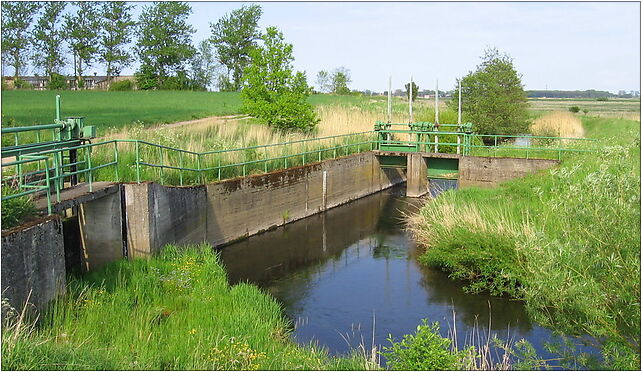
(336, 272)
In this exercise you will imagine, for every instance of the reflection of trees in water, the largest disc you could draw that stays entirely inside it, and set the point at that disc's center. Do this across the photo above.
(472, 309)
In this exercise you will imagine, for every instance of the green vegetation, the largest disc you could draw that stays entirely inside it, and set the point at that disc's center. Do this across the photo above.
(425, 350)
(109, 110)
(272, 92)
(566, 241)
(16, 210)
(175, 311)
(493, 97)
(574, 109)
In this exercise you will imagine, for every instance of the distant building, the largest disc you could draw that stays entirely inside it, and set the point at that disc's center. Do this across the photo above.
(95, 82)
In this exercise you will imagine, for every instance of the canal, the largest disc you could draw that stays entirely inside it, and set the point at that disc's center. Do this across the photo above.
(340, 272)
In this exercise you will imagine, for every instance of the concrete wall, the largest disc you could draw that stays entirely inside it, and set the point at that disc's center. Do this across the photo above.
(33, 260)
(228, 210)
(486, 171)
(101, 234)
(157, 215)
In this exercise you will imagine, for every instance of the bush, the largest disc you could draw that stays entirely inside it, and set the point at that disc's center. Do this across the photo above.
(272, 92)
(57, 82)
(574, 109)
(426, 350)
(601, 99)
(123, 85)
(22, 84)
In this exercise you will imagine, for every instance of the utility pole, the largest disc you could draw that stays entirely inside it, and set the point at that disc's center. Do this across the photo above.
(390, 99)
(459, 120)
(410, 99)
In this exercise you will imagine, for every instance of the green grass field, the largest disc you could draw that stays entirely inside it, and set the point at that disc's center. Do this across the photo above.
(116, 109)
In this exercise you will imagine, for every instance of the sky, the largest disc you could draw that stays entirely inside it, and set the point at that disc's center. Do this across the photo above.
(554, 45)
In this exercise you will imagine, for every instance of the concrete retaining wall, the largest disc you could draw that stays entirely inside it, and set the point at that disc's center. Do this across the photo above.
(222, 212)
(486, 171)
(33, 261)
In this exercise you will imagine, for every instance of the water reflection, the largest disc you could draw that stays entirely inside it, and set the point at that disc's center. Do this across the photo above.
(336, 273)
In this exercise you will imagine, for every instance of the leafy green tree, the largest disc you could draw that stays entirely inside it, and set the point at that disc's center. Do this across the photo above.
(203, 66)
(82, 30)
(340, 80)
(165, 42)
(574, 109)
(117, 29)
(324, 84)
(234, 36)
(493, 96)
(48, 38)
(17, 17)
(415, 90)
(272, 92)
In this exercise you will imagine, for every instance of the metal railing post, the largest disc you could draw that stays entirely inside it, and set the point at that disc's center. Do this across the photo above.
(137, 162)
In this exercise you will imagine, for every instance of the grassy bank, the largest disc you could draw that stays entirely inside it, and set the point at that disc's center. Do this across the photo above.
(176, 311)
(567, 241)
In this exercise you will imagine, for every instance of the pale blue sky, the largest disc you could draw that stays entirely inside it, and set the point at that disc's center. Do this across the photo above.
(570, 45)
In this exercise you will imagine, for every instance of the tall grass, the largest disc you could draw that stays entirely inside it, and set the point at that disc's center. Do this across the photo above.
(567, 241)
(176, 311)
(559, 124)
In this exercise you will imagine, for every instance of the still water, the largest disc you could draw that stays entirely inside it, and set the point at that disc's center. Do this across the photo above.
(338, 273)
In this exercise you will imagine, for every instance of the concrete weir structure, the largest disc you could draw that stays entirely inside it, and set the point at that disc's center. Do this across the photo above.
(137, 220)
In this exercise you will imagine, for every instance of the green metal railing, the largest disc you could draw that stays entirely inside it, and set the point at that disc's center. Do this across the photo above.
(40, 168)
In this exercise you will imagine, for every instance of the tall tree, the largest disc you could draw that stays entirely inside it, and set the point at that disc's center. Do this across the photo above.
(117, 28)
(82, 31)
(493, 96)
(17, 17)
(165, 42)
(415, 90)
(203, 66)
(340, 80)
(272, 92)
(234, 36)
(48, 38)
(324, 85)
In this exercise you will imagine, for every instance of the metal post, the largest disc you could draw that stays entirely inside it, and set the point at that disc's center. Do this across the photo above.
(459, 119)
(116, 160)
(410, 99)
(57, 107)
(437, 103)
(137, 163)
(73, 158)
(459, 107)
(389, 100)
(180, 174)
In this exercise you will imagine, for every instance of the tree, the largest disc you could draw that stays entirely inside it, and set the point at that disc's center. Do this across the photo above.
(47, 39)
(415, 90)
(234, 36)
(493, 96)
(203, 66)
(271, 91)
(340, 80)
(165, 42)
(324, 85)
(16, 20)
(117, 27)
(82, 31)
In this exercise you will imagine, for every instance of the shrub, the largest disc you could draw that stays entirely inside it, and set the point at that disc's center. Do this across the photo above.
(426, 350)
(574, 109)
(123, 85)
(602, 99)
(22, 84)
(57, 82)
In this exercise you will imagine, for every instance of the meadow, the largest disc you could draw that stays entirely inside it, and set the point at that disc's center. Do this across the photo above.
(622, 108)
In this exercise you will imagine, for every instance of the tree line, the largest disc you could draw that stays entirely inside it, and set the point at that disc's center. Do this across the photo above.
(53, 36)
